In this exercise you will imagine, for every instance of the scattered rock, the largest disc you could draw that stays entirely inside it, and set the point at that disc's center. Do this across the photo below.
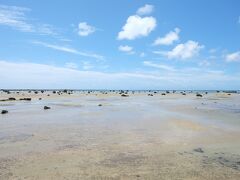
(11, 99)
(25, 99)
(124, 95)
(163, 94)
(199, 150)
(46, 107)
(4, 112)
(230, 91)
(99, 104)
(198, 95)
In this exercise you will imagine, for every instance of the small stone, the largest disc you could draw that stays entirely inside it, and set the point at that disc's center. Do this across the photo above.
(4, 112)
(46, 107)
(198, 150)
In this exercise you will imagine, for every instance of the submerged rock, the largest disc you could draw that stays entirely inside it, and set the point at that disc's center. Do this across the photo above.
(46, 107)
(4, 112)
(199, 150)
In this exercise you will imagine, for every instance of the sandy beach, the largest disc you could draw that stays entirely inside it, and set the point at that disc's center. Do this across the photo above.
(103, 135)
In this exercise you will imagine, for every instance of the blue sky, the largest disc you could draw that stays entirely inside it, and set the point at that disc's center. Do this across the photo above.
(167, 44)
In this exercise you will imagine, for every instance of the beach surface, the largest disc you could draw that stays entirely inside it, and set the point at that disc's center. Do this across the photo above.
(104, 135)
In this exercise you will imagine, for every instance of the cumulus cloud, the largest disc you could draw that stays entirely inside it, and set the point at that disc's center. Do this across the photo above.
(233, 57)
(146, 9)
(15, 17)
(169, 38)
(127, 49)
(68, 50)
(32, 75)
(137, 26)
(85, 29)
(182, 51)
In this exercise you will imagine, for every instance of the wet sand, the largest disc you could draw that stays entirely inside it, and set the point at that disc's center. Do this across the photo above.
(170, 136)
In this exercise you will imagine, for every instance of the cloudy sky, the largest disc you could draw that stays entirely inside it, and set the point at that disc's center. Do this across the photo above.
(137, 44)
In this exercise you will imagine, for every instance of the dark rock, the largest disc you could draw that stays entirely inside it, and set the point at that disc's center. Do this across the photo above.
(99, 104)
(25, 99)
(11, 99)
(199, 150)
(198, 95)
(46, 107)
(163, 94)
(4, 112)
(39, 98)
(230, 91)
(124, 95)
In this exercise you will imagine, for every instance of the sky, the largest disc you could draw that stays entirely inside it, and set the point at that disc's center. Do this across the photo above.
(137, 44)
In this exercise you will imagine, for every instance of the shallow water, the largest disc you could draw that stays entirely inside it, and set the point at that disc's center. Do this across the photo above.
(140, 136)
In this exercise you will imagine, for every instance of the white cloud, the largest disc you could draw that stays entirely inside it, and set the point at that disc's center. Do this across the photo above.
(16, 18)
(127, 49)
(160, 66)
(69, 50)
(182, 51)
(137, 26)
(32, 75)
(71, 65)
(169, 38)
(146, 9)
(233, 57)
(85, 29)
